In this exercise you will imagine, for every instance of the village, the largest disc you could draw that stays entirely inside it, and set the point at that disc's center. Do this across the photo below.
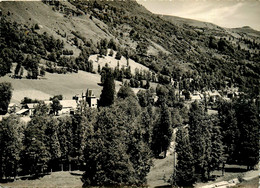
(68, 106)
(89, 98)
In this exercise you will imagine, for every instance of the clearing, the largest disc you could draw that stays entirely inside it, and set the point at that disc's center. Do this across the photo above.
(54, 84)
(55, 179)
(112, 62)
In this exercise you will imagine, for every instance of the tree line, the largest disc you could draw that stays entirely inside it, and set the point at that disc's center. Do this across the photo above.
(211, 141)
(115, 143)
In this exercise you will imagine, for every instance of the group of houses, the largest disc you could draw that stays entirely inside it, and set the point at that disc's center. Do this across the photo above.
(211, 96)
(87, 98)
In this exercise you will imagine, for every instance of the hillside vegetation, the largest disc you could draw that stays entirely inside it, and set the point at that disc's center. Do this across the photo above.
(61, 36)
(53, 50)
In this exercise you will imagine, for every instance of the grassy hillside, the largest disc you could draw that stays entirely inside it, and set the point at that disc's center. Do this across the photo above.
(54, 22)
(53, 84)
(185, 21)
(113, 62)
(212, 56)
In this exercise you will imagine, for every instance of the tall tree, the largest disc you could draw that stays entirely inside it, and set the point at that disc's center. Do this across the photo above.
(198, 133)
(185, 171)
(115, 153)
(11, 135)
(217, 151)
(230, 130)
(162, 132)
(65, 136)
(108, 92)
(5, 96)
(206, 142)
(52, 141)
(248, 123)
(35, 155)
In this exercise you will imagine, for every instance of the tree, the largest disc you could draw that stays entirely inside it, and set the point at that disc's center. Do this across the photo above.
(21, 72)
(162, 132)
(36, 154)
(5, 96)
(207, 148)
(52, 142)
(125, 91)
(115, 153)
(59, 97)
(199, 134)
(230, 130)
(248, 124)
(217, 151)
(17, 69)
(65, 136)
(56, 106)
(41, 108)
(185, 171)
(108, 92)
(11, 135)
(118, 55)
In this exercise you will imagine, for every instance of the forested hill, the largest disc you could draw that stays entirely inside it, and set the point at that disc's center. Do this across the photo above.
(212, 56)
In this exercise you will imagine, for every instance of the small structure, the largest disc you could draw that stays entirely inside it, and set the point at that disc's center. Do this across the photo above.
(213, 95)
(196, 96)
(68, 106)
(31, 107)
(23, 112)
(91, 99)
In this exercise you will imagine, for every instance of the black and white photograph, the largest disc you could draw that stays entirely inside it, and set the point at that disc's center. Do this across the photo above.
(129, 93)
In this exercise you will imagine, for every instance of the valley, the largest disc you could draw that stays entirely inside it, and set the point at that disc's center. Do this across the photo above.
(109, 91)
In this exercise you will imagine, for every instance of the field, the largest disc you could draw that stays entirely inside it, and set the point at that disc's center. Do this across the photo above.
(112, 62)
(53, 84)
(55, 179)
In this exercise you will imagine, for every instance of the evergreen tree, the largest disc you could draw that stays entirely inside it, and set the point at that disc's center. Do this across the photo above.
(217, 151)
(108, 92)
(36, 154)
(11, 135)
(52, 141)
(5, 96)
(185, 171)
(162, 132)
(248, 124)
(230, 130)
(65, 136)
(118, 55)
(115, 153)
(197, 135)
(17, 69)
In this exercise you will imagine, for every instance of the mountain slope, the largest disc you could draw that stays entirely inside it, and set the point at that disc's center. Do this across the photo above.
(212, 56)
(54, 22)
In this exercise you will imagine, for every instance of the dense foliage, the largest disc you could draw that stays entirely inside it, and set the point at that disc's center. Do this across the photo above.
(213, 56)
(213, 141)
(5, 96)
(117, 153)
(108, 92)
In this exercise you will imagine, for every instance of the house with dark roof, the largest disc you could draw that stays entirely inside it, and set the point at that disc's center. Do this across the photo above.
(91, 99)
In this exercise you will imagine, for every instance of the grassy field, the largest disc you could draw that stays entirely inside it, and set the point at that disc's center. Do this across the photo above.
(53, 84)
(55, 179)
(112, 62)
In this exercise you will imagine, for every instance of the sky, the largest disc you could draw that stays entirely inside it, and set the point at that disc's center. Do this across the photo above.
(225, 13)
